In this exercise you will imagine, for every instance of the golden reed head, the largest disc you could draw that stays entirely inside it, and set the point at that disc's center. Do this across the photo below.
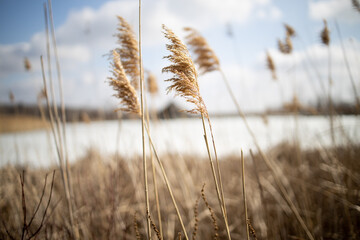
(128, 51)
(184, 79)
(325, 34)
(121, 84)
(205, 57)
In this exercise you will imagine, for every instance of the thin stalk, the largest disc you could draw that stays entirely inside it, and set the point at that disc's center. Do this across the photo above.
(263, 202)
(330, 100)
(244, 195)
(143, 131)
(357, 100)
(215, 178)
(267, 161)
(153, 170)
(218, 168)
(167, 183)
(59, 152)
(61, 92)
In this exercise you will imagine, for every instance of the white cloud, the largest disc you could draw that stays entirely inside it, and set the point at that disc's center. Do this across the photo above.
(75, 53)
(270, 12)
(342, 10)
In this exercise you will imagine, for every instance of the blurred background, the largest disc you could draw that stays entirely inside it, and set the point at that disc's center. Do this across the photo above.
(240, 33)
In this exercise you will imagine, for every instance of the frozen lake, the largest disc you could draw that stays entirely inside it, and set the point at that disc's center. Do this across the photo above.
(174, 136)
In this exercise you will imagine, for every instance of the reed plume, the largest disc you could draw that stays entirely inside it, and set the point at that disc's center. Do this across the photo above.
(185, 84)
(27, 64)
(285, 47)
(325, 34)
(184, 80)
(129, 51)
(356, 5)
(121, 84)
(152, 86)
(205, 57)
(290, 30)
(270, 65)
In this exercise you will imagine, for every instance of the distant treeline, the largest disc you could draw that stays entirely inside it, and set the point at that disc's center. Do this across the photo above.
(87, 114)
(171, 111)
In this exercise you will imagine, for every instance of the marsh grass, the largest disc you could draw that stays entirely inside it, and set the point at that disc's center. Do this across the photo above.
(330, 175)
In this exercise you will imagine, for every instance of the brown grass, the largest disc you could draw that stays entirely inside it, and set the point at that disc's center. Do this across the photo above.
(105, 187)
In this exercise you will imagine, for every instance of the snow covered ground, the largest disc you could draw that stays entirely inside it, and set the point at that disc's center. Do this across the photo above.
(173, 136)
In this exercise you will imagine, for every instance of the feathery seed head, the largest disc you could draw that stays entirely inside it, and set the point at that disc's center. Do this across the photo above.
(206, 58)
(27, 64)
(121, 84)
(184, 80)
(151, 83)
(325, 34)
(289, 30)
(270, 64)
(287, 47)
(128, 51)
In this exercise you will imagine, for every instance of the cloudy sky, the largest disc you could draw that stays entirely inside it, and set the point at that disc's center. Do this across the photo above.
(240, 32)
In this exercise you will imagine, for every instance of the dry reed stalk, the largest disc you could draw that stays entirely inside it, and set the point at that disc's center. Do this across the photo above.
(154, 172)
(63, 113)
(270, 65)
(185, 84)
(167, 183)
(121, 84)
(60, 156)
(43, 95)
(325, 39)
(129, 51)
(264, 157)
(244, 195)
(143, 123)
(207, 61)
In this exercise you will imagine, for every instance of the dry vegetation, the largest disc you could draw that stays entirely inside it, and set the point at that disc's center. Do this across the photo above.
(323, 185)
(290, 193)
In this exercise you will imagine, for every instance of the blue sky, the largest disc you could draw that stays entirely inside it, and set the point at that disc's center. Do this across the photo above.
(85, 28)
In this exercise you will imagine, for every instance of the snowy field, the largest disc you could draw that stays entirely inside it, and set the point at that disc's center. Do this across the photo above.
(183, 136)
